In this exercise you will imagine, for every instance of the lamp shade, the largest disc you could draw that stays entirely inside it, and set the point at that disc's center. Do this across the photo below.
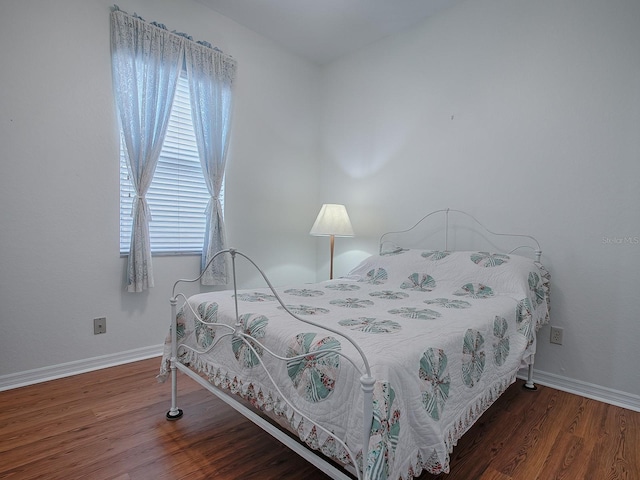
(332, 220)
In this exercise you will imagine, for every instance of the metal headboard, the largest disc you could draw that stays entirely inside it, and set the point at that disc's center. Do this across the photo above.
(536, 250)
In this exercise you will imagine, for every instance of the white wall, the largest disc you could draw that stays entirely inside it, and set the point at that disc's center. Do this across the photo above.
(59, 261)
(526, 114)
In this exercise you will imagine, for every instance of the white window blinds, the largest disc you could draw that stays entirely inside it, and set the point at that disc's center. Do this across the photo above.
(178, 195)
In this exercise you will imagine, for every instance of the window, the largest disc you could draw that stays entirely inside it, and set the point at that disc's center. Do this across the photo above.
(178, 195)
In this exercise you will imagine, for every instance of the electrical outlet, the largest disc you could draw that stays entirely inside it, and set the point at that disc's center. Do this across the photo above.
(556, 335)
(99, 325)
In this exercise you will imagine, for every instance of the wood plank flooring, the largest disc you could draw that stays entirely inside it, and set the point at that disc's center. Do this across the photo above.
(110, 425)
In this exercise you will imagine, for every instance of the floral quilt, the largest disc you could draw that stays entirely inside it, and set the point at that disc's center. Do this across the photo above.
(444, 332)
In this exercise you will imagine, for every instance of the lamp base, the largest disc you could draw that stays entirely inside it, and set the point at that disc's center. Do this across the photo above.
(331, 243)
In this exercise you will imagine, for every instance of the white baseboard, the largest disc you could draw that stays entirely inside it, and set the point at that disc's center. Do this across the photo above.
(588, 390)
(29, 377)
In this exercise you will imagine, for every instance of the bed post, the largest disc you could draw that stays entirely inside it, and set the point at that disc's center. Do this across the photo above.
(367, 418)
(529, 385)
(175, 413)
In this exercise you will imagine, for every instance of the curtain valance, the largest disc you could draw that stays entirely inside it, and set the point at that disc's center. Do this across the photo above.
(204, 44)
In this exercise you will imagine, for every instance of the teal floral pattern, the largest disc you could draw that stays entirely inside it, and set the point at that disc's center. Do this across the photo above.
(447, 303)
(435, 254)
(255, 327)
(385, 431)
(435, 381)
(343, 287)
(305, 310)
(487, 259)
(415, 313)
(501, 343)
(524, 319)
(419, 282)
(304, 292)
(473, 357)
(370, 325)
(536, 288)
(180, 323)
(389, 295)
(351, 303)
(376, 276)
(256, 297)
(314, 375)
(395, 251)
(208, 312)
(474, 290)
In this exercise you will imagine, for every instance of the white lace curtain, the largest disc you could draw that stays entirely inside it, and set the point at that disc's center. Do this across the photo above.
(211, 79)
(146, 62)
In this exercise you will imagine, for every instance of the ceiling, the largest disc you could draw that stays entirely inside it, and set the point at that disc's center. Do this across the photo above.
(324, 30)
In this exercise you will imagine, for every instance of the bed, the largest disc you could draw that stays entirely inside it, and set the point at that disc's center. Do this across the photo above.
(380, 372)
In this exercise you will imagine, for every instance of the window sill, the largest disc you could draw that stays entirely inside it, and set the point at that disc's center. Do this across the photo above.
(167, 254)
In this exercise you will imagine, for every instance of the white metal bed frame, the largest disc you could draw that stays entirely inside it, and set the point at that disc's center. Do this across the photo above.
(367, 382)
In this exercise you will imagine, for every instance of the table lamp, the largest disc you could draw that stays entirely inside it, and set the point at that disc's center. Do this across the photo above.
(332, 221)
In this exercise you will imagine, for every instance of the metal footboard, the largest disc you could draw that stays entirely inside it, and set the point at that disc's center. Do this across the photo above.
(361, 365)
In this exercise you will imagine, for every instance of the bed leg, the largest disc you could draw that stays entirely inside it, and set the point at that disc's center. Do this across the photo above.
(529, 385)
(174, 413)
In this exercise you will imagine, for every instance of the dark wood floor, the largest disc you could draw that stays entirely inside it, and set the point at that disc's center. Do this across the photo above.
(110, 424)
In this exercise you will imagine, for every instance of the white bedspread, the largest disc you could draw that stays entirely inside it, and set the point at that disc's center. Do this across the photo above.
(445, 334)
